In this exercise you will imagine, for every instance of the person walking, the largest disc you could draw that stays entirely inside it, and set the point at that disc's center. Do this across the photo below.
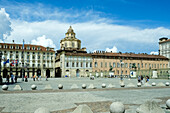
(12, 78)
(16, 77)
(7, 78)
(139, 79)
(33, 77)
(26, 78)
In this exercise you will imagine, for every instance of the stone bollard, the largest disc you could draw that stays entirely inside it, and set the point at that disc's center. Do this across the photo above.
(117, 107)
(122, 84)
(84, 86)
(167, 83)
(103, 85)
(168, 103)
(149, 107)
(60, 86)
(139, 84)
(4, 87)
(33, 87)
(153, 84)
(42, 110)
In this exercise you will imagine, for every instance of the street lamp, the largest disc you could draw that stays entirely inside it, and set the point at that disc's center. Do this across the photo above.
(0, 66)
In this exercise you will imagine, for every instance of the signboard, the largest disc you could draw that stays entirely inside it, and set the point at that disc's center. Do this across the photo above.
(133, 74)
(154, 74)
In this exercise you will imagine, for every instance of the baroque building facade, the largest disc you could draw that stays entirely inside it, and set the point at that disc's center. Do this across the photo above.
(164, 48)
(74, 61)
(71, 59)
(27, 60)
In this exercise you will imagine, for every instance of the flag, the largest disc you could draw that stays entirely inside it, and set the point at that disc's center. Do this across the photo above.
(6, 61)
(12, 64)
(15, 61)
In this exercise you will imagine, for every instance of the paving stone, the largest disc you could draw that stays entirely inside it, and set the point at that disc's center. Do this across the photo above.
(42, 110)
(160, 84)
(146, 85)
(130, 85)
(83, 109)
(91, 86)
(111, 86)
(48, 87)
(74, 86)
(149, 107)
(18, 88)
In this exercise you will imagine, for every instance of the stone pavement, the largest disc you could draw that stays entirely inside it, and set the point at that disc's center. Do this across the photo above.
(63, 101)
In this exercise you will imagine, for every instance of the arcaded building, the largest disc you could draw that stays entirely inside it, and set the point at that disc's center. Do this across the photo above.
(27, 60)
(71, 59)
(123, 63)
(164, 47)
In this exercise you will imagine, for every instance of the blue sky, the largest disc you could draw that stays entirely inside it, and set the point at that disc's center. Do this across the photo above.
(128, 25)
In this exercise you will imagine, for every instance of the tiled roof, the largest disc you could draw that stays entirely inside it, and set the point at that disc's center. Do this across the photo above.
(26, 45)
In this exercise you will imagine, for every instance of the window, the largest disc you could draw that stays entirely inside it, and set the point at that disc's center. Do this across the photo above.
(157, 65)
(33, 65)
(130, 65)
(138, 65)
(90, 64)
(101, 64)
(126, 65)
(38, 65)
(81, 64)
(65, 44)
(16, 56)
(95, 64)
(10, 51)
(142, 65)
(86, 64)
(38, 57)
(77, 64)
(105, 64)
(145, 65)
(67, 64)
(73, 64)
(114, 64)
(72, 44)
(118, 65)
(33, 57)
(28, 53)
(28, 56)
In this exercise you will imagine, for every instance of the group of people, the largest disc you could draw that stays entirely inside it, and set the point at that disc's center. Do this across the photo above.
(13, 78)
(141, 79)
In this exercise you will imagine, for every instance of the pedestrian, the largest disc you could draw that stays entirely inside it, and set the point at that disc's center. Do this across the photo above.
(26, 78)
(142, 79)
(37, 78)
(12, 78)
(16, 77)
(147, 78)
(139, 79)
(7, 78)
(33, 77)
(40, 77)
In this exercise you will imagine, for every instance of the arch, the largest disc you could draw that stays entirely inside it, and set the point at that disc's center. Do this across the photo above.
(21, 73)
(38, 72)
(77, 73)
(48, 73)
(5, 72)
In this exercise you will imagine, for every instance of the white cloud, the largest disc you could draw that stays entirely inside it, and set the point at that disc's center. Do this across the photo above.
(5, 24)
(154, 53)
(96, 33)
(43, 41)
(114, 49)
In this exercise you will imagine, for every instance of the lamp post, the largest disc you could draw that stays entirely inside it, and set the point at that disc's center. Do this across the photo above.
(0, 66)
